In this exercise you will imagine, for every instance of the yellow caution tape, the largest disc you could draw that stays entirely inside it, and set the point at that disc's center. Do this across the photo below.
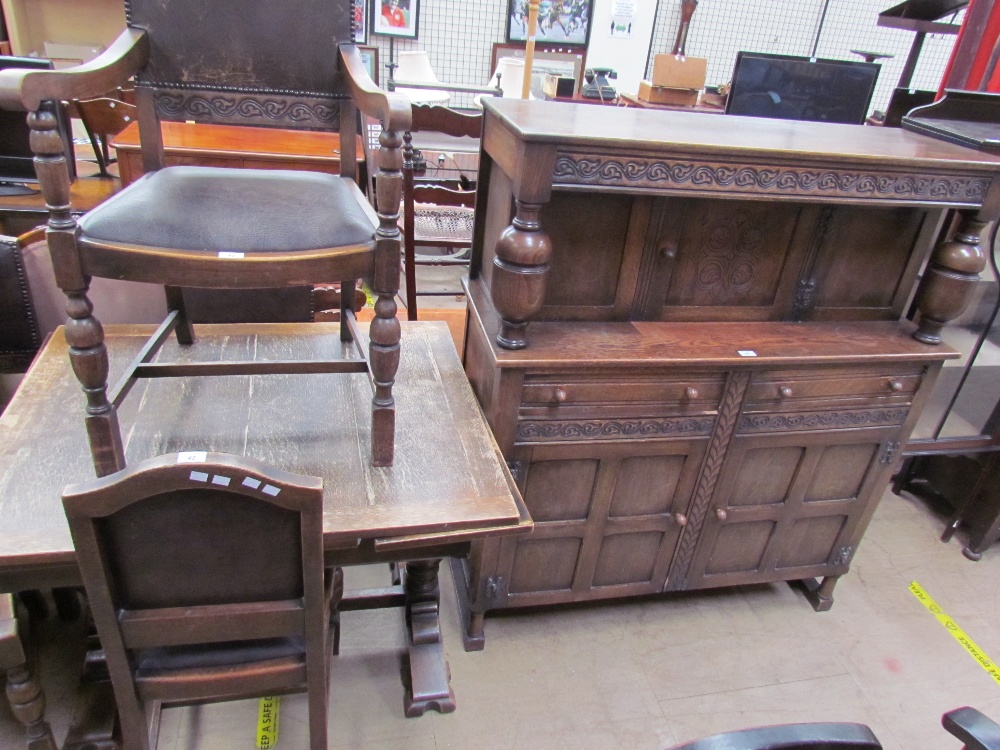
(267, 723)
(957, 633)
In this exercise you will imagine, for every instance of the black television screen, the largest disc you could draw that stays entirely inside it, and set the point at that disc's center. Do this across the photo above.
(16, 159)
(801, 88)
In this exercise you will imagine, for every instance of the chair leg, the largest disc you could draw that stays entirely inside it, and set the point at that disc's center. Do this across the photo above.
(383, 350)
(27, 701)
(336, 596)
(409, 261)
(89, 358)
(185, 329)
(347, 287)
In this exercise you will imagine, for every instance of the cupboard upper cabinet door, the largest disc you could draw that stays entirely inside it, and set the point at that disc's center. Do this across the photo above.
(722, 260)
(865, 262)
(791, 505)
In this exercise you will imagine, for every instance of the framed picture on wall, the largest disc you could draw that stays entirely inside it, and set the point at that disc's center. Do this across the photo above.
(369, 56)
(559, 21)
(360, 21)
(557, 59)
(395, 17)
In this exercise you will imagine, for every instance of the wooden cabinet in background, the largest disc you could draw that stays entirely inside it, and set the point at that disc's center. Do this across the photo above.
(685, 332)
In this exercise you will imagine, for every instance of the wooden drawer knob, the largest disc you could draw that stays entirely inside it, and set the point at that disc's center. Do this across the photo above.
(668, 251)
(784, 391)
(560, 395)
(690, 393)
(680, 519)
(721, 514)
(895, 386)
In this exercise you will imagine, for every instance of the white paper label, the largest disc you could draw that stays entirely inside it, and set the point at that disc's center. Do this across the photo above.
(231, 254)
(192, 457)
(746, 352)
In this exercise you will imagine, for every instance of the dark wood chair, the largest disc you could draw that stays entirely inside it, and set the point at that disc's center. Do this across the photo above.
(972, 727)
(20, 336)
(435, 215)
(250, 62)
(206, 583)
(818, 736)
(103, 118)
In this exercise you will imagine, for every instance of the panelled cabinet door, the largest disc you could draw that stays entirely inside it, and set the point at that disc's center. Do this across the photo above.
(607, 519)
(791, 505)
(732, 260)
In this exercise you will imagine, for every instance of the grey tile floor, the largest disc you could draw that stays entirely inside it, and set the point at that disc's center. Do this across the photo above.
(649, 673)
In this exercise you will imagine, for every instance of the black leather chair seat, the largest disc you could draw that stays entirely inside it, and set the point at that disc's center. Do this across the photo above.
(220, 209)
(209, 655)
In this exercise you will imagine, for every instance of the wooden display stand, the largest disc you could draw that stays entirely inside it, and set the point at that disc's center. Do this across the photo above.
(690, 351)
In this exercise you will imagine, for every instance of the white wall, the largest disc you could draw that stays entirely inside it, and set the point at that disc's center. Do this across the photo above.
(626, 56)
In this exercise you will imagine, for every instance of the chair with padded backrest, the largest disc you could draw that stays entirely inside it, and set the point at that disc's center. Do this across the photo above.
(205, 578)
(250, 62)
(818, 736)
(972, 727)
(434, 215)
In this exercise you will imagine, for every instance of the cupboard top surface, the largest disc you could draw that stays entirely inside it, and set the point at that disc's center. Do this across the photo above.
(690, 132)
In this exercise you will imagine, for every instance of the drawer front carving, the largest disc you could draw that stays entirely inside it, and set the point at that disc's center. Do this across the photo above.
(542, 430)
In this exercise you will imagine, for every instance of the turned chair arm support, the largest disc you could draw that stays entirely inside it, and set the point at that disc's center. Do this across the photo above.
(27, 89)
(393, 110)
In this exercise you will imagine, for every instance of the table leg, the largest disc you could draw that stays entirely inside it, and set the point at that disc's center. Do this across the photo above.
(429, 677)
(25, 695)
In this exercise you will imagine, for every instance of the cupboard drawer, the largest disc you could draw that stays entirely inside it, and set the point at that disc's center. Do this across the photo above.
(791, 390)
(674, 393)
(584, 408)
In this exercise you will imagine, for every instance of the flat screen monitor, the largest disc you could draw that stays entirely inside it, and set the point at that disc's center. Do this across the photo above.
(17, 167)
(801, 88)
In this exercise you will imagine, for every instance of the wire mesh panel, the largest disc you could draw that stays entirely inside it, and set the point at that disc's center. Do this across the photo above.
(721, 28)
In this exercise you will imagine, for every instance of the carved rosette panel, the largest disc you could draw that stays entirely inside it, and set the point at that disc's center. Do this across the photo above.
(729, 251)
(553, 430)
(719, 177)
(729, 411)
(821, 420)
(249, 108)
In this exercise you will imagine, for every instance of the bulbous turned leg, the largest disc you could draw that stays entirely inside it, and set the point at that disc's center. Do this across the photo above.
(27, 701)
(520, 268)
(383, 352)
(89, 359)
(84, 334)
(950, 279)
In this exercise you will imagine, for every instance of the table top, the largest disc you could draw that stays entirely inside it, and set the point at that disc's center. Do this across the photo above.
(85, 193)
(448, 483)
(259, 143)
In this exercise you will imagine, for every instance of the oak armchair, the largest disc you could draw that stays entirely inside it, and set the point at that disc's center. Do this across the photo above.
(250, 62)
